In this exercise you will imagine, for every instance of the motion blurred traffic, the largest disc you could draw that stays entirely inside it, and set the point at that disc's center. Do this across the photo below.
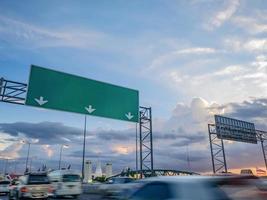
(62, 184)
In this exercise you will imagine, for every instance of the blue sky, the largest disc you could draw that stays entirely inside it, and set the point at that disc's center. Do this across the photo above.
(186, 58)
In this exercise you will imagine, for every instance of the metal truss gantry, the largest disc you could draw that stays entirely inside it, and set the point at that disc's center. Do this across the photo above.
(146, 142)
(217, 151)
(12, 92)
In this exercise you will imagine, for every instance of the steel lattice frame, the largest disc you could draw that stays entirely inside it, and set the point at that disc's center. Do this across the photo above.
(218, 153)
(262, 137)
(217, 150)
(146, 141)
(12, 92)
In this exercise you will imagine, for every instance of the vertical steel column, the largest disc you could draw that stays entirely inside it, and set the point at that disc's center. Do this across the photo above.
(224, 160)
(136, 148)
(217, 150)
(151, 142)
(140, 144)
(146, 142)
(211, 150)
(264, 150)
(84, 138)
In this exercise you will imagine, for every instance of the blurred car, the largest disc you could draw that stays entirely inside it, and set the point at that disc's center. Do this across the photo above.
(197, 188)
(179, 187)
(31, 186)
(113, 187)
(263, 183)
(4, 186)
(246, 172)
(66, 183)
(12, 186)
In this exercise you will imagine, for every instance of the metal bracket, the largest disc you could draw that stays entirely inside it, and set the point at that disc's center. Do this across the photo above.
(12, 92)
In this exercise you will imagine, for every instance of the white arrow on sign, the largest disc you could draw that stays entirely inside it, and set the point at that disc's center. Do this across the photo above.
(90, 109)
(41, 101)
(129, 115)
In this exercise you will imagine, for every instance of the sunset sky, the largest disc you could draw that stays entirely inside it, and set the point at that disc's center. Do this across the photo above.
(189, 59)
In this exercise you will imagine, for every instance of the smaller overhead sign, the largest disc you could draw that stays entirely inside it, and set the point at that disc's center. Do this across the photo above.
(236, 130)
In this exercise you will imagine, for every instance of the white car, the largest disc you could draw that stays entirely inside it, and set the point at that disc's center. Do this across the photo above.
(31, 186)
(4, 186)
(66, 183)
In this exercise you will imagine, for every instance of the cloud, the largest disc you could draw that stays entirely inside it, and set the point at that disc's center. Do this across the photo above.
(12, 151)
(176, 54)
(26, 35)
(184, 134)
(196, 50)
(252, 45)
(222, 16)
(192, 121)
(185, 140)
(46, 132)
(48, 150)
(111, 135)
(252, 25)
(121, 149)
(254, 110)
(211, 77)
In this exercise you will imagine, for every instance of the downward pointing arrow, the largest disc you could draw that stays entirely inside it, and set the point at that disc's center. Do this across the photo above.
(129, 115)
(41, 101)
(90, 109)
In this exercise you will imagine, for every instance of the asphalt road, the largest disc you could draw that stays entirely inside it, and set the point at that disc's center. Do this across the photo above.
(82, 197)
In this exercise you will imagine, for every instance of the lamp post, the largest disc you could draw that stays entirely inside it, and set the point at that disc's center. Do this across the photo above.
(60, 155)
(31, 162)
(6, 163)
(28, 153)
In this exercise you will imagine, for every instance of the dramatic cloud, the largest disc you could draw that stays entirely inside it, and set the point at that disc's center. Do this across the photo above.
(182, 139)
(111, 135)
(254, 110)
(223, 82)
(46, 132)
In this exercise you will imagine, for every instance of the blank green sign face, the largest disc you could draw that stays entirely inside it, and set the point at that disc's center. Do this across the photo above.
(60, 91)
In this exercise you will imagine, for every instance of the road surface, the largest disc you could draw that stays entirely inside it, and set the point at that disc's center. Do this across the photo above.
(82, 197)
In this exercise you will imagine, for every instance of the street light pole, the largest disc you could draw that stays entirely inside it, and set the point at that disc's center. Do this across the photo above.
(15, 167)
(29, 146)
(27, 159)
(6, 163)
(60, 155)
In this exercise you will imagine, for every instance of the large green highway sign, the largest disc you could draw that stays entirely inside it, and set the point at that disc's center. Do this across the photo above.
(60, 91)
